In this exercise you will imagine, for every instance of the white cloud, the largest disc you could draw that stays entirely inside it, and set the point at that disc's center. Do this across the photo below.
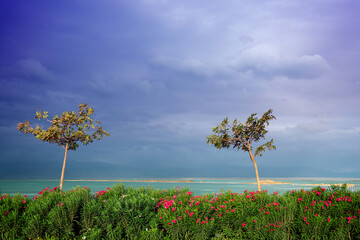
(28, 68)
(33, 68)
(188, 65)
(266, 60)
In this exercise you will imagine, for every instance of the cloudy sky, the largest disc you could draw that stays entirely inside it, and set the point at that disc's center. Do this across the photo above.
(160, 74)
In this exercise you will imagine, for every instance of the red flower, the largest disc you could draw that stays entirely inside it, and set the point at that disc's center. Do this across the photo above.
(6, 212)
(243, 225)
(203, 222)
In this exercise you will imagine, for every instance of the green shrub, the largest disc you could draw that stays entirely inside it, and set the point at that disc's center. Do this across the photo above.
(145, 213)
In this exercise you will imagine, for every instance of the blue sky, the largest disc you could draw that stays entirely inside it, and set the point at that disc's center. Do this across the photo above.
(160, 74)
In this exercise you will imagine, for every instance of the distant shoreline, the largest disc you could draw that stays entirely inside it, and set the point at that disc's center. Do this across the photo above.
(262, 182)
(151, 180)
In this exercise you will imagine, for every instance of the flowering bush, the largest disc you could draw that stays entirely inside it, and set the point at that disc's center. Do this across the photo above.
(145, 213)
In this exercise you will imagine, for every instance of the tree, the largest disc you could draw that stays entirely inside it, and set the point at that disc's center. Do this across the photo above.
(241, 136)
(67, 130)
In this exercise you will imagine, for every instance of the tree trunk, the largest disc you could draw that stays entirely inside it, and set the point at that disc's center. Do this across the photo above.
(63, 168)
(256, 170)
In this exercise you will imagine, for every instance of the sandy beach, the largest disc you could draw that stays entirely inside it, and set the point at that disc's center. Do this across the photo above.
(268, 181)
(262, 182)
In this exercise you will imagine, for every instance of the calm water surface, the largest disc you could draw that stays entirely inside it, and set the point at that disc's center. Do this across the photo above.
(199, 186)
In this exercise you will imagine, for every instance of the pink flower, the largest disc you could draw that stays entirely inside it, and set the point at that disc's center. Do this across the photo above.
(328, 220)
(197, 221)
(300, 199)
(174, 221)
(24, 201)
(169, 223)
(189, 193)
(25, 195)
(243, 225)
(203, 222)
(6, 212)
(180, 202)
(190, 214)
(254, 221)
(173, 209)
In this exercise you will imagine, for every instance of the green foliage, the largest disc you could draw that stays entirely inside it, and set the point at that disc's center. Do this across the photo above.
(145, 213)
(68, 129)
(241, 136)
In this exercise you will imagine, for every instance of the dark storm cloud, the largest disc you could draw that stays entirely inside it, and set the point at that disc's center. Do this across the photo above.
(160, 74)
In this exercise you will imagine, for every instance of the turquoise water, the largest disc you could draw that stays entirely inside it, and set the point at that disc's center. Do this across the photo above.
(199, 186)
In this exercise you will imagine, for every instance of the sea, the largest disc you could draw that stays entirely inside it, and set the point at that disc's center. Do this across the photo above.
(199, 186)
